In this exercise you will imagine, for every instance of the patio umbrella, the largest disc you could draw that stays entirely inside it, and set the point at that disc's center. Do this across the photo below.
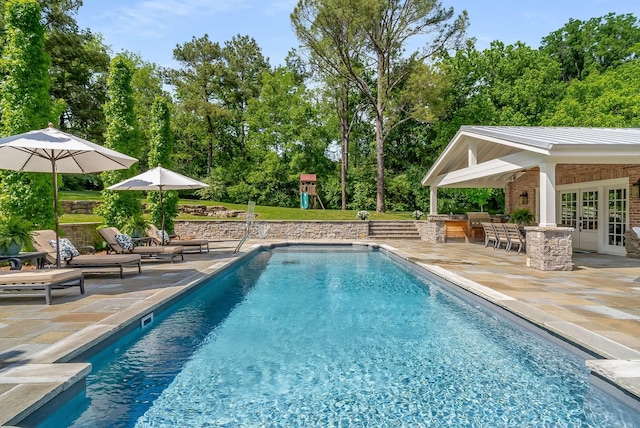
(159, 179)
(51, 150)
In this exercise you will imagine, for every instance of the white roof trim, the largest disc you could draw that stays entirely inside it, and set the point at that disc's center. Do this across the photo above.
(513, 148)
(496, 167)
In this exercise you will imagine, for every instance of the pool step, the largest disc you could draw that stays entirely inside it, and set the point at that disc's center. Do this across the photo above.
(393, 230)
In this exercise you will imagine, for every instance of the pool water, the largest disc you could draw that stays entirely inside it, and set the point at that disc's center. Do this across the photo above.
(331, 338)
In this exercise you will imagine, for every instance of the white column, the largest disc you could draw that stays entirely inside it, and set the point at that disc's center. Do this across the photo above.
(548, 194)
(433, 200)
(472, 158)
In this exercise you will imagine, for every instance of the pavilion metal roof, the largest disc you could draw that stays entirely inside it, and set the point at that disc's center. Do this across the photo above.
(504, 152)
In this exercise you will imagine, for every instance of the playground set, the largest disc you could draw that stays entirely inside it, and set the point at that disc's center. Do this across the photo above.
(308, 189)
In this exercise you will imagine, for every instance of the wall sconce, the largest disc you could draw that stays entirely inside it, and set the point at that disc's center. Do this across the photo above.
(524, 197)
(635, 189)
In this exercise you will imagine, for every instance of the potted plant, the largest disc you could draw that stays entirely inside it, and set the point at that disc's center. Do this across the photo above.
(362, 215)
(135, 226)
(15, 234)
(522, 217)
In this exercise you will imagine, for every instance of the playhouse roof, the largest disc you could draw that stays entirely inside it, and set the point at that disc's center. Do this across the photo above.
(307, 177)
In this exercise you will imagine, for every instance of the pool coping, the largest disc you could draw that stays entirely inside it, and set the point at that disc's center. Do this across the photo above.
(48, 373)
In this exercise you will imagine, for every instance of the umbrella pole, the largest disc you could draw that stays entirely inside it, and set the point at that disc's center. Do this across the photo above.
(55, 211)
(162, 215)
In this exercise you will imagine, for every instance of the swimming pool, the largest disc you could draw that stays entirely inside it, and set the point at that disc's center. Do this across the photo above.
(333, 338)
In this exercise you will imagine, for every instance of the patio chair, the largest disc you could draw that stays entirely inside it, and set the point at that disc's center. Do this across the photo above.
(514, 236)
(157, 236)
(41, 279)
(44, 240)
(489, 234)
(123, 244)
(501, 234)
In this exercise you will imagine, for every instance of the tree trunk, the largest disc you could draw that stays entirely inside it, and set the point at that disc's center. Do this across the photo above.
(382, 75)
(344, 139)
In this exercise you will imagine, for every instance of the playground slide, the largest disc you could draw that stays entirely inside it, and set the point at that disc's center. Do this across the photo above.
(304, 200)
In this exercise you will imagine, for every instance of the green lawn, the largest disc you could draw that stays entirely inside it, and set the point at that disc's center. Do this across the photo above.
(263, 212)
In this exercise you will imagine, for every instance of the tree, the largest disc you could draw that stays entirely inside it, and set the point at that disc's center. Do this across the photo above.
(596, 44)
(197, 87)
(160, 150)
(364, 40)
(25, 105)
(146, 84)
(241, 81)
(121, 136)
(608, 99)
(286, 138)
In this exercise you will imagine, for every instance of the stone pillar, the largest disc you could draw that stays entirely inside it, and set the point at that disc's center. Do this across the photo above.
(632, 244)
(549, 248)
(433, 229)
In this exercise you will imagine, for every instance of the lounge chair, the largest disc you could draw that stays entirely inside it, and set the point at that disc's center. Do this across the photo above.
(123, 244)
(43, 239)
(489, 234)
(45, 279)
(156, 235)
(514, 236)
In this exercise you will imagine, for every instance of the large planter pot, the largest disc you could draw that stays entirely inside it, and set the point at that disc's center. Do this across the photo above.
(12, 249)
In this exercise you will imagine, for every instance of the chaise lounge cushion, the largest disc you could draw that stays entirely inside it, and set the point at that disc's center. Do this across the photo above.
(42, 278)
(109, 234)
(189, 244)
(42, 241)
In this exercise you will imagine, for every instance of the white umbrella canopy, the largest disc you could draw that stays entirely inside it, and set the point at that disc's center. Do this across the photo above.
(159, 179)
(53, 151)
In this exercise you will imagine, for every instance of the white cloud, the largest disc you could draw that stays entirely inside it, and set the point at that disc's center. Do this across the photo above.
(152, 18)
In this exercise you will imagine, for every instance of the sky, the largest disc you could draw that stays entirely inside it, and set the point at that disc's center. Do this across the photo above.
(153, 28)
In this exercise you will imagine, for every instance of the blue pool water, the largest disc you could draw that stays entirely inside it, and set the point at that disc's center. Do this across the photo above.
(316, 338)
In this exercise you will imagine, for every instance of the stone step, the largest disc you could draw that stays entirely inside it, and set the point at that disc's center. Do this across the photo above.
(393, 230)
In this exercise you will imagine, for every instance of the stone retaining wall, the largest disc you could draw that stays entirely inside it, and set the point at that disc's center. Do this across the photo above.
(79, 207)
(81, 233)
(87, 207)
(217, 230)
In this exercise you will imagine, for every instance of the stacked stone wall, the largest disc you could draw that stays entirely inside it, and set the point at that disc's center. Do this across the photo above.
(549, 248)
(81, 234)
(220, 230)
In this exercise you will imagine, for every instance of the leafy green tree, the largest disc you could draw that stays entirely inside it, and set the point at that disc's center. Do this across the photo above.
(160, 150)
(80, 63)
(25, 105)
(121, 136)
(241, 80)
(608, 99)
(364, 41)
(281, 143)
(197, 89)
(146, 83)
(596, 44)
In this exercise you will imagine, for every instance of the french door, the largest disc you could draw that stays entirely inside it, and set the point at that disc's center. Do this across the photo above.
(579, 209)
(599, 224)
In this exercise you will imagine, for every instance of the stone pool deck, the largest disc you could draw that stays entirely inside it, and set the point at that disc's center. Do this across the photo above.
(596, 306)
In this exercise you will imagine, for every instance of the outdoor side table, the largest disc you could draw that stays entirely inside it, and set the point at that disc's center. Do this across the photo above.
(145, 241)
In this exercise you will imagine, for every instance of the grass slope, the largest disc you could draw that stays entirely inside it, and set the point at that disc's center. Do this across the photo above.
(263, 212)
